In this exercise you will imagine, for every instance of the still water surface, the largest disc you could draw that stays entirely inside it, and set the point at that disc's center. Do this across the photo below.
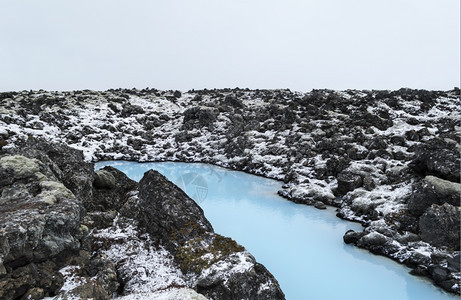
(300, 245)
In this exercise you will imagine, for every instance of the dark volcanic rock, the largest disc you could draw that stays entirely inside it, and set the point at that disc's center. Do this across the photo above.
(433, 190)
(220, 276)
(233, 101)
(129, 109)
(24, 281)
(176, 221)
(197, 117)
(439, 226)
(40, 220)
(351, 236)
(66, 164)
(348, 181)
(166, 212)
(242, 285)
(40, 203)
(111, 189)
(438, 157)
(377, 243)
(42, 230)
(103, 180)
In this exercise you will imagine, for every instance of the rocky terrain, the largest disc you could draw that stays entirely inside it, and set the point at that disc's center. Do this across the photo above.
(67, 232)
(386, 159)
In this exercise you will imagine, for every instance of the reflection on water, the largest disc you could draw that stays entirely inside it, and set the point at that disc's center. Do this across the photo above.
(300, 245)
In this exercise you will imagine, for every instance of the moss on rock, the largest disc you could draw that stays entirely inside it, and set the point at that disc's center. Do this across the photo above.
(21, 166)
(203, 251)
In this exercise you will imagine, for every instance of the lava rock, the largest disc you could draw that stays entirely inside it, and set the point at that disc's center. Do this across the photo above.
(373, 239)
(439, 158)
(104, 179)
(233, 101)
(198, 117)
(438, 273)
(439, 226)
(43, 205)
(351, 236)
(216, 272)
(433, 190)
(348, 181)
(111, 188)
(320, 205)
(256, 283)
(166, 212)
(65, 163)
(454, 263)
(129, 109)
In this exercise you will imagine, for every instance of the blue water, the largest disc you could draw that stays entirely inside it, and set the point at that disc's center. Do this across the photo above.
(300, 245)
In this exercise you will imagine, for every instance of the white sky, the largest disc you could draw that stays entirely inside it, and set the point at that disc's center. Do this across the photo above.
(185, 44)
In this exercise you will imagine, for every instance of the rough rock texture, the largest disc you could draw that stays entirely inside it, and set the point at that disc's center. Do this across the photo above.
(433, 190)
(166, 212)
(438, 157)
(365, 152)
(59, 240)
(198, 117)
(222, 269)
(218, 267)
(110, 189)
(439, 226)
(348, 181)
(41, 218)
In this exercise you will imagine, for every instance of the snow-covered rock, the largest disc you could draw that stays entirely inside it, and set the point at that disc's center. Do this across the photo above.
(368, 147)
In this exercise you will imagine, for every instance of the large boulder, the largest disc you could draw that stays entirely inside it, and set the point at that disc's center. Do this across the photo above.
(166, 212)
(348, 181)
(198, 117)
(39, 216)
(439, 158)
(233, 101)
(225, 270)
(39, 220)
(66, 164)
(222, 268)
(433, 190)
(439, 226)
(111, 189)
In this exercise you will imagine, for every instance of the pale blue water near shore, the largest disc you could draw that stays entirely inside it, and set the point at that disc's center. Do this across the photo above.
(300, 245)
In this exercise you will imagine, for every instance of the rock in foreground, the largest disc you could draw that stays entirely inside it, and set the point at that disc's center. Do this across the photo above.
(99, 234)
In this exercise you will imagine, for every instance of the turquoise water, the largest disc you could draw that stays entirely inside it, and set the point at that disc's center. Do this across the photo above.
(300, 245)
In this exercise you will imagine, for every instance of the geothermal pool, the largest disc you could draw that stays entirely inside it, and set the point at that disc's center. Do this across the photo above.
(300, 245)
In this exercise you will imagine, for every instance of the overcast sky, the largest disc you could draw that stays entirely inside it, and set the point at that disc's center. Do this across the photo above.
(185, 44)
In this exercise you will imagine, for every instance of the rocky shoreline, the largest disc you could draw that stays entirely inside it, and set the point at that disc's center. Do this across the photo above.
(387, 159)
(68, 232)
